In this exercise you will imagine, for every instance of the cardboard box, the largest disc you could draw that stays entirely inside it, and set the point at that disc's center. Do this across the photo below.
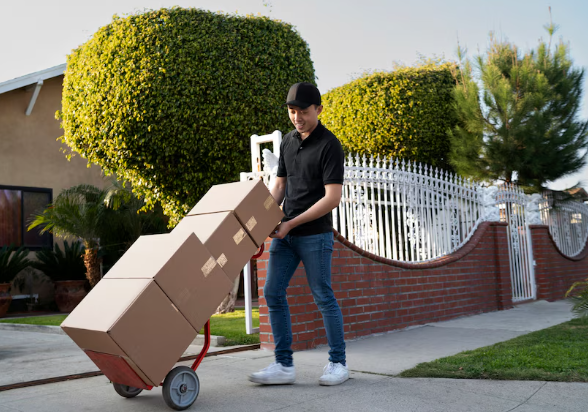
(222, 234)
(250, 201)
(184, 270)
(133, 319)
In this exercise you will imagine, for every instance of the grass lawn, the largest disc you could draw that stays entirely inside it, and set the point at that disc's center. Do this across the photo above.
(559, 353)
(54, 320)
(229, 325)
(232, 327)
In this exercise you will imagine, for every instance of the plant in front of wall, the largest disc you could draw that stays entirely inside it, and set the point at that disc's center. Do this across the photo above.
(12, 261)
(67, 270)
(60, 265)
(579, 298)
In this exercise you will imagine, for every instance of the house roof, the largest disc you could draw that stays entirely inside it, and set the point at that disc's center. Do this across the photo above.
(32, 78)
(578, 193)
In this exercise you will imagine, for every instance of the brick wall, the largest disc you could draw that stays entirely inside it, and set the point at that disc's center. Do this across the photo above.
(378, 295)
(554, 272)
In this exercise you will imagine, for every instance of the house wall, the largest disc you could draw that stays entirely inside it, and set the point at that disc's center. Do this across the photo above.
(31, 156)
(378, 295)
(29, 152)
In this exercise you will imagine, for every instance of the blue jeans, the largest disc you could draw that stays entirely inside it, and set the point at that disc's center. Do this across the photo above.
(315, 251)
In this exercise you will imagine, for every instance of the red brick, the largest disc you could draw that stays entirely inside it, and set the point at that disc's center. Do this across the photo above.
(371, 291)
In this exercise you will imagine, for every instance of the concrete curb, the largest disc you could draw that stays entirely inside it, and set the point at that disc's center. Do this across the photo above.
(214, 340)
(56, 330)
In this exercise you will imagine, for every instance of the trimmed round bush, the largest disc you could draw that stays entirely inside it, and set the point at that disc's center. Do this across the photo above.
(405, 113)
(168, 99)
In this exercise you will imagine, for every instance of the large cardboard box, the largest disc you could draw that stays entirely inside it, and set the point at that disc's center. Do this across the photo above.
(250, 201)
(135, 320)
(222, 234)
(183, 268)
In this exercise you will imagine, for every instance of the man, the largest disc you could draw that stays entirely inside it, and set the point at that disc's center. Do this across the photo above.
(309, 181)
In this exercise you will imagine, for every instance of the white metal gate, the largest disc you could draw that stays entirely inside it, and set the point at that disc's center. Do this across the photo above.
(511, 201)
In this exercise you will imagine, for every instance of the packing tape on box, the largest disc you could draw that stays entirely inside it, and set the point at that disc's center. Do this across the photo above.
(251, 223)
(208, 266)
(269, 202)
(222, 260)
(239, 236)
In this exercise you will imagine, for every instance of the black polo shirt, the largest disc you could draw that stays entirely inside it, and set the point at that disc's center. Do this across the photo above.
(308, 165)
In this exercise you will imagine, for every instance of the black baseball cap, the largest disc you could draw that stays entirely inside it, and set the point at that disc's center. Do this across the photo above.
(303, 95)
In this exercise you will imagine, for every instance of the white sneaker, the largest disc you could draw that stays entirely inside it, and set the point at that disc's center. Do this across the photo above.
(275, 374)
(334, 374)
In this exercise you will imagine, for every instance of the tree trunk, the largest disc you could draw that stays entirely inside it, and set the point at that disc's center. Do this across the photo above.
(228, 304)
(92, 266)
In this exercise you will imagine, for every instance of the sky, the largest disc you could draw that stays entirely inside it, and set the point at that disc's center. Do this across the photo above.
(346, 37)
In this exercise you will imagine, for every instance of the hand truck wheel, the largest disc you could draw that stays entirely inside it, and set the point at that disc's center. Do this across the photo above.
(180, 388)
(126, 391)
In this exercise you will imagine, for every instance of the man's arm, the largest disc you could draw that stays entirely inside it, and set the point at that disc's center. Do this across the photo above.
(279, 190)
(330, 201)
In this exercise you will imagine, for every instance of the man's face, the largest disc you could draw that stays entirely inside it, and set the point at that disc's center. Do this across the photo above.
(304, 120)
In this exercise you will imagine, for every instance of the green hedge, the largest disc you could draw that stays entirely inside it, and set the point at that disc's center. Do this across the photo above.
(405, 113)
(168, 99)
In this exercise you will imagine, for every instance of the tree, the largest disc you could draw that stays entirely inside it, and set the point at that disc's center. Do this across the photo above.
(404, 113)
(104, 219)
(77, 213)
(168, 99)
(126, 222)
(518, 115)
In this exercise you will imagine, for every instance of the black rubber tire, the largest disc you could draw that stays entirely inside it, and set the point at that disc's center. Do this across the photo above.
(180, 388)
(126, 391)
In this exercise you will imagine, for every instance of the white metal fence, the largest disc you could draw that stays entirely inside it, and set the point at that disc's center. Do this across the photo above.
(406, 211)
(568, 222)
(412, 212)
(512, 202)
(415, 213)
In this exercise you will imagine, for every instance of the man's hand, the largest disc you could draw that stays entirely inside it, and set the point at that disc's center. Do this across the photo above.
(320, 208)
(281, 230)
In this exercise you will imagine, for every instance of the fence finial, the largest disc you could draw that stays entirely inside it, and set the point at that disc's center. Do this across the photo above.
(532, 210)
(491, 211)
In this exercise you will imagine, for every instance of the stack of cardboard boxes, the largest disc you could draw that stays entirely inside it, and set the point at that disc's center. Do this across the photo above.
(141, 317)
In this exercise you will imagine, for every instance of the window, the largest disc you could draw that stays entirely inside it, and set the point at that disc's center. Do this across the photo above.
(17, 205)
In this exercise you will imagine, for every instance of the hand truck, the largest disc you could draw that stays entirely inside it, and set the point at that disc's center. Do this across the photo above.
(181, 386)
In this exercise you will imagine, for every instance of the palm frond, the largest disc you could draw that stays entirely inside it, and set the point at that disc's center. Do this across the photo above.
(58, 264)
(12, 261)
(579, 298)
(76, 213)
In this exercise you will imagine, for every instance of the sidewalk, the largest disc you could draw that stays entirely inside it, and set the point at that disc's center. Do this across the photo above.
(373, 361)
